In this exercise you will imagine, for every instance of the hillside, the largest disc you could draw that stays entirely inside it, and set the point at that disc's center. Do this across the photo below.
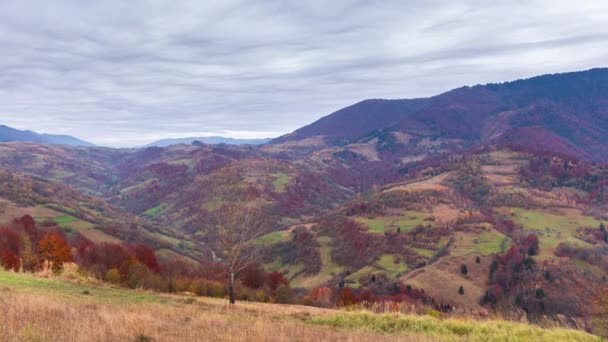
(75, 212)
(70, 310)
(12, 134)
(563, 113)
(483, 200)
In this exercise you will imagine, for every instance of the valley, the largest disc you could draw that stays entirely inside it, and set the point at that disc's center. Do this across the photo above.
(485, 201)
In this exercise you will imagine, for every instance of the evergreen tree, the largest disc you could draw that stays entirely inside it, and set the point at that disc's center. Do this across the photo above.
(464, 269)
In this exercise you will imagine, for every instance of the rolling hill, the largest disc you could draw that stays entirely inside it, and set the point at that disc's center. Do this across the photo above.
(485, 199)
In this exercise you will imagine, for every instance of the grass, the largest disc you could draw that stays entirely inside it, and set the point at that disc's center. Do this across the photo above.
(386, 261)
(272, 238)
(328, 269)
(39, 309)
(362, 272)
(450, 329)
(539, 219)
(28, 283)
(407, 221)
(155, 210)
(64, 219)
(54, 309)
(553, 226)
(280, 181)
(484, 243)
(427, 253)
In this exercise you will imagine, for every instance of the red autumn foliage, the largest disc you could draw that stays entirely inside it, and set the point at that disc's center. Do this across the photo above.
(254, 277)
(146, 256)
(322, 296)
(276, 279)
(9, 261)
(346, 297)
(10, 241)
(53, 248)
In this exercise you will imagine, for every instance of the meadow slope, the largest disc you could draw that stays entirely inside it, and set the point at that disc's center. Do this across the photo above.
(52, 309)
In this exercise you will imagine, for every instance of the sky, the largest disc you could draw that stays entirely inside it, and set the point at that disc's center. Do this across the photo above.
(125, 73)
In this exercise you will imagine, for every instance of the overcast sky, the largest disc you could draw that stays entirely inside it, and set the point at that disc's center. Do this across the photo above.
(123, 73)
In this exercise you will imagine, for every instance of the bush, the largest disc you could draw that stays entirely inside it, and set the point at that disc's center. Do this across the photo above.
(463, 269)
(113, 276)
(284, 295)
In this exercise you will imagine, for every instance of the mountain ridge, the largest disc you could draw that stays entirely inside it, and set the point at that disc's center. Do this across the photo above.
(213, 140)
(569, 107)
(12, 134)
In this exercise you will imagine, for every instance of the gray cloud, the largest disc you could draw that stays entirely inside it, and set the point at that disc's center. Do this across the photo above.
(126, 72)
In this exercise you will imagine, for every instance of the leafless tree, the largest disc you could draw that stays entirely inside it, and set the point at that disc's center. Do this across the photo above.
(239, 220)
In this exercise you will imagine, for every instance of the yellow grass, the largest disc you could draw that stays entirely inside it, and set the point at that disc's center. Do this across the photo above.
(433, 183)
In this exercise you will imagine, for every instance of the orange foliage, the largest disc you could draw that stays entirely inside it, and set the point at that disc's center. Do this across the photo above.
(55, 249)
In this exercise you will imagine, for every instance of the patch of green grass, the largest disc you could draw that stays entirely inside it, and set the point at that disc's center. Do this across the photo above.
(407, 221)
(539, 219)
(25, 283)
(172, 240)
(553, 227)
(449, 329)
(280, 181)
(155, 210)
(386, 261)
(64, 219)
(272, 238)
(362, 272)
(427, 253)
(484, 243)
(328, 267)
(276, 265)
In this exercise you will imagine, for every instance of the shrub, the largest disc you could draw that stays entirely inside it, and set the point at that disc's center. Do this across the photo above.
(463, 269)
(284, 295)
(346, 297)
(113, 276)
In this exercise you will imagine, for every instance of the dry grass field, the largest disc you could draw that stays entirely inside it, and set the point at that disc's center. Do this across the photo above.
(50, 309)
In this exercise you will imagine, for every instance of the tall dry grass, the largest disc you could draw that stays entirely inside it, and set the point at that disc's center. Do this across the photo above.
(34, 317)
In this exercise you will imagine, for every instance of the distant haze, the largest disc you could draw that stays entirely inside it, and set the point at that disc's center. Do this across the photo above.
(207, 140)
(124, 73)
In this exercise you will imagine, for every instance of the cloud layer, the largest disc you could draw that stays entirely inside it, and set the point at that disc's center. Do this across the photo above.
(123, 73)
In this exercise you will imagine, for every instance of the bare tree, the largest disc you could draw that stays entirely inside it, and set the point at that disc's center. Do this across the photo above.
(238, 220)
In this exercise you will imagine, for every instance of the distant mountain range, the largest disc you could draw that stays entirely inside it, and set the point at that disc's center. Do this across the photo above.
(12, 134)
(207, 140)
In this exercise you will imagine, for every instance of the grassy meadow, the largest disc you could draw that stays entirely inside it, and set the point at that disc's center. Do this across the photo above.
(72, 308)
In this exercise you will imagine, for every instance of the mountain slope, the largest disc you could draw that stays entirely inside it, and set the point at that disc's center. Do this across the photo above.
(12, 134)
(564, 113)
